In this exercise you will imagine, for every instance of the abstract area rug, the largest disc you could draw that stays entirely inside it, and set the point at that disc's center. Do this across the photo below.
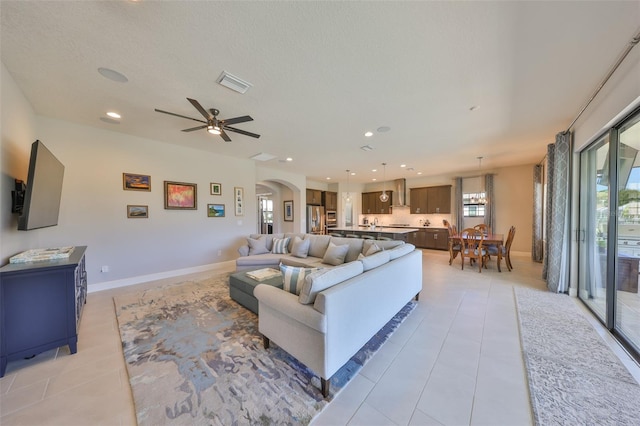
(574, 377)
(195, 357)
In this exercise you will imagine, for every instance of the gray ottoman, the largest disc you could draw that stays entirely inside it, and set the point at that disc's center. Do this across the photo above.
(241, 288)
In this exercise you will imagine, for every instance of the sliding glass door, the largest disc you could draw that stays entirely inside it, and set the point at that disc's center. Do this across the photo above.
(609, 231)
(594, 225)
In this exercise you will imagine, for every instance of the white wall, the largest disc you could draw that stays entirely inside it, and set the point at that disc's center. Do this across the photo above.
(93, 204)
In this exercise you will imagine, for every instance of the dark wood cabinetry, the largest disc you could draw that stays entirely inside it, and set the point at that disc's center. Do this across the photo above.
(430, 200)
(314, 197)
(330, 201)
(371, 203)
(430, 238)
(40, 306)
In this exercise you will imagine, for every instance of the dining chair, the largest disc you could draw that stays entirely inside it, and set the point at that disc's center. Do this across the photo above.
(454, 245)
(483, 228)
(471, 248)
(506, 248)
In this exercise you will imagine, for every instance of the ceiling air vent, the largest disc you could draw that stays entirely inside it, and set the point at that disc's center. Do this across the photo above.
(233, 82)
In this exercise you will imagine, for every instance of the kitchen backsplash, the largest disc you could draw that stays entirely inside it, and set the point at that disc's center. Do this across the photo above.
(402, 216)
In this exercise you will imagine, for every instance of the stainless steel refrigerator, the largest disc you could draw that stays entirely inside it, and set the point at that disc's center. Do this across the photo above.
(315, 220)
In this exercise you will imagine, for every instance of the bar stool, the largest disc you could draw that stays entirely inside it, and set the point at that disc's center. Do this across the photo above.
(351, 236)
(385, 239)
(367, 237)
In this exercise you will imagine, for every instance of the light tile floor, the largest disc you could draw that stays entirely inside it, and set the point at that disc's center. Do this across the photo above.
(456, 360)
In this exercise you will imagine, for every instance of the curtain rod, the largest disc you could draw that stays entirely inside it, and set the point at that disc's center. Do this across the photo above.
(630, 45)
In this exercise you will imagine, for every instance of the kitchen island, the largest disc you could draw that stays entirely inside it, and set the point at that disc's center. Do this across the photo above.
(402, 234)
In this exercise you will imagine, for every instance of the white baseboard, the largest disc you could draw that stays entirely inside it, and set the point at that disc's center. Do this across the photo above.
(109, 285)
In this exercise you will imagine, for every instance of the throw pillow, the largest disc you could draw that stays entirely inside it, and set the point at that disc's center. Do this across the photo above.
(294, 278)
(280, 245)
(324, 278)
(335, 254)
(257, 246)
(300, 247)
(375, 260)
(373, 249)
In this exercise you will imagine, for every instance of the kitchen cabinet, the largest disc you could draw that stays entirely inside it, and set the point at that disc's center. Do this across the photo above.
(330, 201)
(430, 200)
(418, 238)
(439, 199)
(40, 306)
(418, 200)
(371, 203)
(314, 197)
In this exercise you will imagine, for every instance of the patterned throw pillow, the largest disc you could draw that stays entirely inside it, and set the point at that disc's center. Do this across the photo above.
(294, 277)
(280, 245)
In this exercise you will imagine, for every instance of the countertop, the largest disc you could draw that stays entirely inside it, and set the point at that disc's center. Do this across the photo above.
(435, 228)
(381, 229)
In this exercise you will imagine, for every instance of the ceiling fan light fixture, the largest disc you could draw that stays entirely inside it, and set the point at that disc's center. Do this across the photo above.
(214, 130)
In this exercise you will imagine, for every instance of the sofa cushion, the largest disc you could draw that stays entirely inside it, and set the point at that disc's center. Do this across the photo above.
(257, 246)
(268, 237)
(384, 245)
(294, 277)
(318, 244)
(267, 259)
(373, 249)
(300, 247)
(355, 247)
(325, 278)
(335, 255)
(375, 260)
(280, 246)
(401, 250)
(292, 236)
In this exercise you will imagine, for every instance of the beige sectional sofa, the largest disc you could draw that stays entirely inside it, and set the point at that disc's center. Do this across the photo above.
(339, 306)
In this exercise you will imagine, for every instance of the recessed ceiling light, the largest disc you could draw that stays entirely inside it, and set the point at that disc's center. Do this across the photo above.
(113, 114)
(113, 75)
(383, 129)
(368, 134)
(419, 173)
(403, 165)
(289, 159)
(328, 178)
(374, 179)
(353, 173)
(374, 170)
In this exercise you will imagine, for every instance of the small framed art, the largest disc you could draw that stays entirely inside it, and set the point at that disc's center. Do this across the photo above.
(238, 199)
(134, 182)
(180, 195)
(215, 210)
(288, 211)
(137, 211)
(216, 189)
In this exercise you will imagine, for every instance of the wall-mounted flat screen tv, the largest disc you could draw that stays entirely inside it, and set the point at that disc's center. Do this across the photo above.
(43, 189)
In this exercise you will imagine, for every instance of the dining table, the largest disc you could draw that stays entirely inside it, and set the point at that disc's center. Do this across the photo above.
(489, 239)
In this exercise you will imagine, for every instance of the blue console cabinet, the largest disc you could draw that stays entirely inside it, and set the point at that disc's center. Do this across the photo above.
(41, 305)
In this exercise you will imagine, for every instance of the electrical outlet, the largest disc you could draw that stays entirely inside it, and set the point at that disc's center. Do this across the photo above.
(105, 268)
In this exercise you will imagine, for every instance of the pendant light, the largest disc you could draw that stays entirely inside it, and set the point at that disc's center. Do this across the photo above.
(384, 197)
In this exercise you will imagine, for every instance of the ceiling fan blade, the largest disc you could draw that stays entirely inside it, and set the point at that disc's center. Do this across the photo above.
(202, 111)
(242, 132)
(178, 115)
(224, 136)
(236, 120)
(195, 128)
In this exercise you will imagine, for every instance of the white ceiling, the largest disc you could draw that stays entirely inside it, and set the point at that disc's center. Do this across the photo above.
(323, 73)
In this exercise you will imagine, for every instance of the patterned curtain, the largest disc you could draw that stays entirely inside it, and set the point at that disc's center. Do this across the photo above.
(459, 210)
(556, 261)
(537, 251)
(489, 216)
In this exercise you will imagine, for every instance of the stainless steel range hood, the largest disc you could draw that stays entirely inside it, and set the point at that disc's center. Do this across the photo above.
(399, 193)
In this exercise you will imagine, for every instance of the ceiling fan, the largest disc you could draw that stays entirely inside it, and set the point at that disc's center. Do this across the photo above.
(214, 125)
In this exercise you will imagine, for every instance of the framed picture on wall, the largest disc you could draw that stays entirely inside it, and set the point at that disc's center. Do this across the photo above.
(135, 182)
(180, 195)
(215, 210)
(216, 189)
(288, 211)
(137, 211)
(238, 200)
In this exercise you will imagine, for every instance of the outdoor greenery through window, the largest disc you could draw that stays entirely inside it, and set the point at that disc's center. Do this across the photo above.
(473, 204)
